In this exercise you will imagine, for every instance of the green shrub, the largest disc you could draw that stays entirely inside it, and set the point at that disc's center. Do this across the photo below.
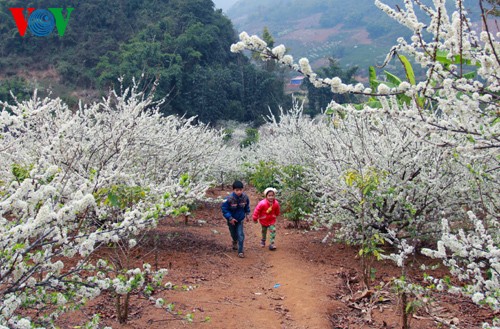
(228, 134)
(288, 180)
(21, 172)
(264, 175)
(120, 196)
(296, 202)
(251, 138)
(18, 86)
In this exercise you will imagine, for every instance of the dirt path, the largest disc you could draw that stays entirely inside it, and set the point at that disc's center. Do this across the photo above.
(298, 286)
(266, 289)
(298, 296)
(274, 289)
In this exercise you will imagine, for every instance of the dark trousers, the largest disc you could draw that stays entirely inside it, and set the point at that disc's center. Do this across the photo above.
(237, 234)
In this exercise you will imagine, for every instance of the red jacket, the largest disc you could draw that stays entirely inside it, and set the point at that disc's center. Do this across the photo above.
(261, 213)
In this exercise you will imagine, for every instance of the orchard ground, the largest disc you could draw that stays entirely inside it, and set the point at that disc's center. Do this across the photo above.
(303, 284)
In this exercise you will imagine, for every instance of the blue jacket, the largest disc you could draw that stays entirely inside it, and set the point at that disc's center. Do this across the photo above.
(235, 207)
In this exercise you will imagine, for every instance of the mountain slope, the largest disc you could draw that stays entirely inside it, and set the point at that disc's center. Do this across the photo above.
(354, 32)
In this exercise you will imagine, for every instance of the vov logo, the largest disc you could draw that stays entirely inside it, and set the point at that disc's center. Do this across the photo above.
(41, 22)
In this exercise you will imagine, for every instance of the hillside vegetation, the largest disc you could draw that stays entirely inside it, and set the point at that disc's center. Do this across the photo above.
(356, 33)
(183, 45)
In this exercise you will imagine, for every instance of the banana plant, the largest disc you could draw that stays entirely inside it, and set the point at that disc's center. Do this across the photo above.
(393, 81)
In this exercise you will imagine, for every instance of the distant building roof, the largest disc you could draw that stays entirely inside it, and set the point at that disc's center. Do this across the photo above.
(297, 80)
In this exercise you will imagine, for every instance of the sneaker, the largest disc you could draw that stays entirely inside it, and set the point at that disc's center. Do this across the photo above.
(272, 247)
(235, 245)
(262, 243)
(241, 255)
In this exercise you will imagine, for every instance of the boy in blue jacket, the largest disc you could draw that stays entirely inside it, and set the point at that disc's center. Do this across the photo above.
(235, 208)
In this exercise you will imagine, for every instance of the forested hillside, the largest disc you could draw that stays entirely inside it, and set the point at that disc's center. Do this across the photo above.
(184, 45)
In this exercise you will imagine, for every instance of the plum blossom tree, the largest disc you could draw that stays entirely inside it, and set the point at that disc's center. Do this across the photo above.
(472, 257)
(452, 97)
(369, 175)
(405, 165)
(71, 182)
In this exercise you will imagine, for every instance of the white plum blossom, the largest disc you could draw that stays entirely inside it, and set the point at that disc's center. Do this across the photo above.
(279, 51)
(429, 158)
(305, 66)
(287, 60)
(473, 257)
(383, 89)
(57, 202)
(237, 47)
(159, 303)
(22, 324)
(453, 37)
(477, 297)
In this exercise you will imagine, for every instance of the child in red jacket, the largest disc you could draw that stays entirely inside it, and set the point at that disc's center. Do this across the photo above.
(266, 212)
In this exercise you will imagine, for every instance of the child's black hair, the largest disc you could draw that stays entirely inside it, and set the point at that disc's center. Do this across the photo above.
(237, 184)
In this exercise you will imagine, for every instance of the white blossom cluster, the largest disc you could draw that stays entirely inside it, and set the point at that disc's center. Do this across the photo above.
(406, 165)
(125, 281)
(229, 164)
(71, 181)
(417, 180)
(449, 99)
(404, 248)
(473, 257)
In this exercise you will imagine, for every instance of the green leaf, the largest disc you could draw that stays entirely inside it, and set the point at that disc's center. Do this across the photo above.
(393, 80)
(113, 199)
(18, 246)
(410, 308)
(442, 57)
(410, 75)
(470, 75)
(374, 104)
(329, 111)
(350, 177)
(372, 76)
(184, 181)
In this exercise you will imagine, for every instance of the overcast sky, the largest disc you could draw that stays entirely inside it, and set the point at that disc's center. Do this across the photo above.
(224, 4)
